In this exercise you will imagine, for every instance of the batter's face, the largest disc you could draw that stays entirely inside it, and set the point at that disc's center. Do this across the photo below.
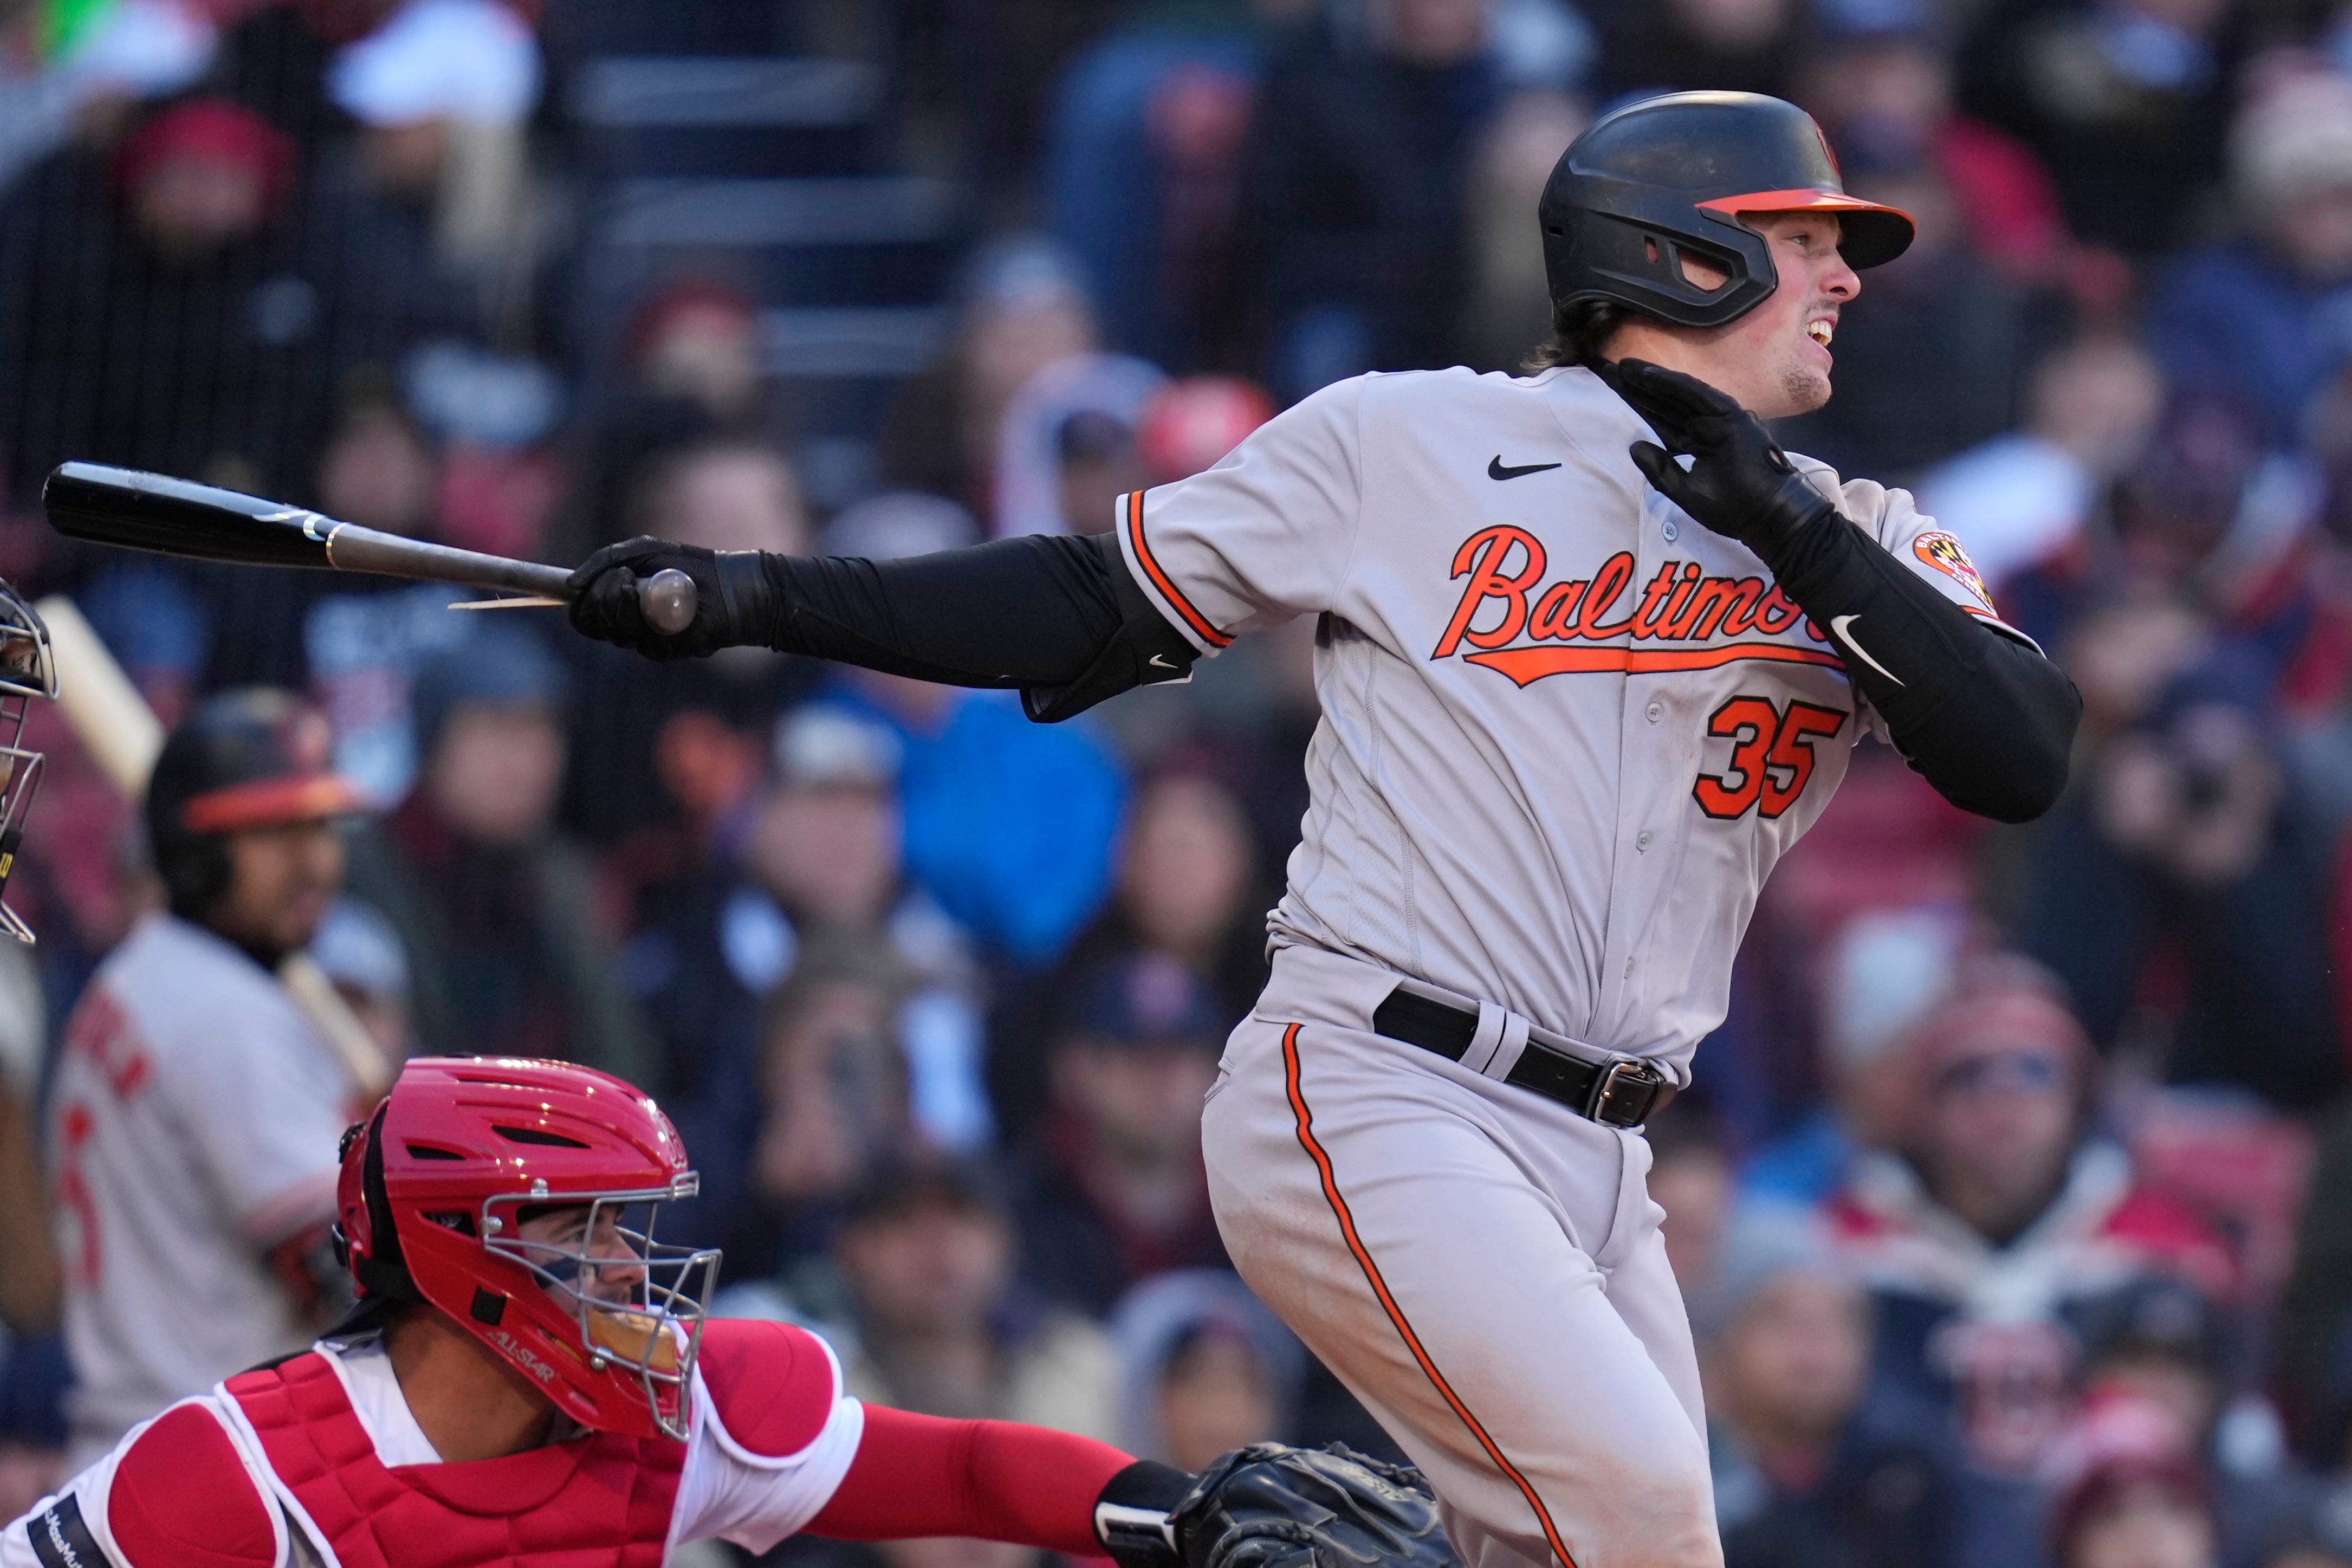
(281, 880)
(1775, 359)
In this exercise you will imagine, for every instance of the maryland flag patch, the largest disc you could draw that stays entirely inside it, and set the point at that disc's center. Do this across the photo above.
(1942, 552)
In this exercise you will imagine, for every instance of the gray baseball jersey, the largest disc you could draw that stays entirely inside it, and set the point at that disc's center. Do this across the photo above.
(193, 1125)
(1567, 731)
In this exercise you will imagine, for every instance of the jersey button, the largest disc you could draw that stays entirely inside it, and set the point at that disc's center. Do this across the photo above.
(1655, 710)
(1642, 844)
(1670, 531)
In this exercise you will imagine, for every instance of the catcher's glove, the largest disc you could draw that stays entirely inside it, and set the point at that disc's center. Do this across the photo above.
(1274, 1506)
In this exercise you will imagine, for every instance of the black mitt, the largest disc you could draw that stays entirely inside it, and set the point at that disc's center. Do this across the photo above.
(1274, 1506)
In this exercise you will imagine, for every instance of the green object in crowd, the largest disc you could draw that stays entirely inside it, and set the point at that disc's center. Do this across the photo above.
(64, 22)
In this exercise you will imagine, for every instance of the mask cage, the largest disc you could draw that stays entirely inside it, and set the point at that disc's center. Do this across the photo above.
(649, 1326)
(27, 670)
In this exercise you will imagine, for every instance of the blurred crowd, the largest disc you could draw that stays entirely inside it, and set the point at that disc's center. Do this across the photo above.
(2014, 1202)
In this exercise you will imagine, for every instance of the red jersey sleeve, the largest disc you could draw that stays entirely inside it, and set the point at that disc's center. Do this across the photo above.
(997, 1480)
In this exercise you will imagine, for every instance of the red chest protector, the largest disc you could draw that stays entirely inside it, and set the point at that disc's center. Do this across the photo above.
(599, 1502)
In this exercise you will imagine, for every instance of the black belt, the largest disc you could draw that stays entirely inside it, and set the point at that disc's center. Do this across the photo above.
(1622, 1093)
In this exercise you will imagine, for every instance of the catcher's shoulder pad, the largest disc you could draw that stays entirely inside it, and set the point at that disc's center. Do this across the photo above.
(182, 1494)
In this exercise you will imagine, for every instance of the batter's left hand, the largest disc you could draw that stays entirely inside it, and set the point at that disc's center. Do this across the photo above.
(732, 604)
(1741, 484)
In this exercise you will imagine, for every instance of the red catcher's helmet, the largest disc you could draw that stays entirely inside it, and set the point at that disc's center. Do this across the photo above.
(437, 1188)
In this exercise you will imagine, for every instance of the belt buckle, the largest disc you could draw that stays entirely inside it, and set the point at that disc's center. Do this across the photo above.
(1623, 1093)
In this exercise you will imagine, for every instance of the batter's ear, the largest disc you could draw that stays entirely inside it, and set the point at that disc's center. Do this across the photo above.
(1146, 650)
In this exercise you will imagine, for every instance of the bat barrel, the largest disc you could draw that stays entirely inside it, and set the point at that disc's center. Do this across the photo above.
(175, 517)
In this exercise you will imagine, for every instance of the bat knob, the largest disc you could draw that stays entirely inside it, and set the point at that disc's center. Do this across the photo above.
(667, 599)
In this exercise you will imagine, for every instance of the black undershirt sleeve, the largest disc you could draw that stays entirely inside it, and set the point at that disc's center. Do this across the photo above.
(1988, 722)
(1059, 618)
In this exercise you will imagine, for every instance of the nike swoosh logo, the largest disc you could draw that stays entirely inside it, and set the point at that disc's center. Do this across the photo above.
(1160, 661)
(1495, 470)
(1841, 624)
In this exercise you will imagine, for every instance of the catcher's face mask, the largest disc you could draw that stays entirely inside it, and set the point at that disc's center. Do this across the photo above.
(27, 670)
(637, 1304)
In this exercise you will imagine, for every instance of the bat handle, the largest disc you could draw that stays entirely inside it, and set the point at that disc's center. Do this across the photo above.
(667, 600)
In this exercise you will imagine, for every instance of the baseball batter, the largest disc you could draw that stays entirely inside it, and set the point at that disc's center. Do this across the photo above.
(1591, 651)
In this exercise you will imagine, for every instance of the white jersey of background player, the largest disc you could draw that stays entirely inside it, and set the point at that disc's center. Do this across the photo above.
(1576, 701)
(195, 1114)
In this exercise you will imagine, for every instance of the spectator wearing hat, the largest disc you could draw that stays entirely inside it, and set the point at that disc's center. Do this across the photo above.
(2169, 1346)
(2136, 1510)
(1020, 306)
(2250, 318)
(172, 254)
(1010, 825)
(690, 370)
(1066, 446)
(1885, 970)
(944, 1323)
(1204, 1368)
(814, 855)
(1806, 1471)
(1187, 887)
(1996, 1211)
(426, 222)
(1116, 1190)
(494, 906)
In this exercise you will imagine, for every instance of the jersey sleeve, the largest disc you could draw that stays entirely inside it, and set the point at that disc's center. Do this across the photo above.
(1266, 535)
(262, 1107)
(772, 1437)
(1932, 553)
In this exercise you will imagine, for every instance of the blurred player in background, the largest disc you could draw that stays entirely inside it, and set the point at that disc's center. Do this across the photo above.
(194, 1112)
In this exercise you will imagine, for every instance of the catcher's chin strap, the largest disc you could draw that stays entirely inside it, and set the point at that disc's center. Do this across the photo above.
(1134, 1515)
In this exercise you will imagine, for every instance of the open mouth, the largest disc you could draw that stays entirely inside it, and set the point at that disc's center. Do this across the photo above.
(1820, 332)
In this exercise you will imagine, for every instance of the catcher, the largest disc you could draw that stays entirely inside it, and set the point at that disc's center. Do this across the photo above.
(530, 1380)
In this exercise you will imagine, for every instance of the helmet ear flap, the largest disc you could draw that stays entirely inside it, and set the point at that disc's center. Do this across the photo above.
(381, 1270)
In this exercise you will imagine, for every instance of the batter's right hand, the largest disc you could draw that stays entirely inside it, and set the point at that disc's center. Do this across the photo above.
(733, 602)
(1739, 484)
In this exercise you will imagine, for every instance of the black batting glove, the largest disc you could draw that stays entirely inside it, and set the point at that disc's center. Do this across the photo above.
(734, 606)
(1741, 484)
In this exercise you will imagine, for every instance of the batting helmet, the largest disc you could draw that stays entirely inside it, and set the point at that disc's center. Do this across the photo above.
(254, 757)
(439, 1185)
(1667, 177)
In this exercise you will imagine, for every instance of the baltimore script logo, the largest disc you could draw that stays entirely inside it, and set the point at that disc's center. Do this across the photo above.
(1568, 626)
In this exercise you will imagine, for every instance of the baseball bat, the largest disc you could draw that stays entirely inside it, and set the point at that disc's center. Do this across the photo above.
(177, 517)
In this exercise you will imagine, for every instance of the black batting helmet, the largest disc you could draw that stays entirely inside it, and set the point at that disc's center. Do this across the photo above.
(1653, 181)
(254, 757)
